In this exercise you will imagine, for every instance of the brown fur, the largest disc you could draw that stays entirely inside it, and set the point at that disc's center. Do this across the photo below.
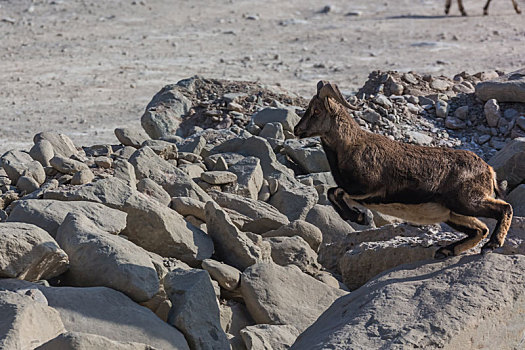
(417, 183)
(485, 8)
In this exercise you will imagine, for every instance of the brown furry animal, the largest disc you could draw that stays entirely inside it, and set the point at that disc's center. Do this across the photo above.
(485, 8)
(419, 184)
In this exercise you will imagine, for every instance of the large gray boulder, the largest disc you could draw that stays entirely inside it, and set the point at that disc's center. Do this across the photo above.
(86, 341)
(459, 303)
(105, 312)
(195, 310)
(234, 247)
(49, 214)
(509, 162)
(30, 253)
(175, 181)
(284, 295)
(97, 258)
(150, 225)
(26, 320)
(507, 88)
(164, 113)
(263, 216)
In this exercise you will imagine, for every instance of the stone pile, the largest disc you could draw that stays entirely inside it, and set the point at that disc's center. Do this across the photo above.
(211, 229)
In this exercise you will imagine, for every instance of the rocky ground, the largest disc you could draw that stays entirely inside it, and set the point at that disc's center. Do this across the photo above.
(209, 228)
(86, 67)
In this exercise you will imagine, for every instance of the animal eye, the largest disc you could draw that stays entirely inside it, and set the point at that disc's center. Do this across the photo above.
(316, 111)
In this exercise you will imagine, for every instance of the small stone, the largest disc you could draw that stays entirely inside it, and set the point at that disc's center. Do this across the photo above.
(131, 137)
(441, 109)
(461, 113)
(454, 123)
(272, 130)
(67, 165)
(27, 184)
(220, 164)
(371, 116)
(439, 84)
(228, 276)
(492, 112)
(82, 177)
(43, 152)
(521, 122)
(383, 101)
(104, 162)
(483, 139)
(218, 177)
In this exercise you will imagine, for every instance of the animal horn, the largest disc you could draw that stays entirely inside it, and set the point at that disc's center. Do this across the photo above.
(326, 89)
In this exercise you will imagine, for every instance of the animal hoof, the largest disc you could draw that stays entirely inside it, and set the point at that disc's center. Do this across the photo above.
(443, 253)
(489, 247)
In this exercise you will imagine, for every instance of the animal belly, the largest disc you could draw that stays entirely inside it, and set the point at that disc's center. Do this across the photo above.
(425, 213)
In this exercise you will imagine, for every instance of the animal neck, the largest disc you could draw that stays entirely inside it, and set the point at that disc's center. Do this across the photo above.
(344, 131)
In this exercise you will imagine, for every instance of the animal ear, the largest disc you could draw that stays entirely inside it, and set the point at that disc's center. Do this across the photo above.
(320, 85)
(328, 104)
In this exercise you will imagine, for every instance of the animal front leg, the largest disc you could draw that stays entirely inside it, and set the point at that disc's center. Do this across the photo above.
(336, 195)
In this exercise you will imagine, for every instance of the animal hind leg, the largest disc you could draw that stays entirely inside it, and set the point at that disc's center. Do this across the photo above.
(461, 8)
(490, 207)
(502, 211)
(475, 229)
(346, 212)
(516, 7)
(486, 8)
(447, 6)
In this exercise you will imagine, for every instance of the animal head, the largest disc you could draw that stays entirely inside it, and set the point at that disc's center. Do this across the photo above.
(319, 116)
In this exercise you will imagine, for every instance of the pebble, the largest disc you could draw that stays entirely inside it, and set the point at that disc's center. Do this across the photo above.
(218, 177)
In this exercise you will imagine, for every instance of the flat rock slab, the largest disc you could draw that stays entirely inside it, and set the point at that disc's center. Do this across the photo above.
(218, 177)
(285, 295)
(507, 88)
(49, 214)
(30, 253)
(467, 302)
(105, 312)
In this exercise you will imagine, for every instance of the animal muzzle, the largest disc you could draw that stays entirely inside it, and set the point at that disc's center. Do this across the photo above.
(298, 131)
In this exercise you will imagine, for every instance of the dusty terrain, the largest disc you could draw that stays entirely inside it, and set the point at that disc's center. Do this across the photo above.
(85, 67)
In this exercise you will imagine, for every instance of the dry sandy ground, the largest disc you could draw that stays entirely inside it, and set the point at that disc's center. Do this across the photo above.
(84, 67)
